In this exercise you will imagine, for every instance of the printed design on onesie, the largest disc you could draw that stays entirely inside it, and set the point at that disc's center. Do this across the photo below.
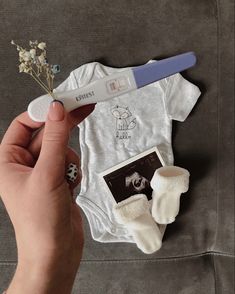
(124, 121)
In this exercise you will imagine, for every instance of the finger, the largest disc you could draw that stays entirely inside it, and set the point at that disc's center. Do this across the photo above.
(36, 143)
(72, 157)
(20, 130)
(51, 161)
(74, 118)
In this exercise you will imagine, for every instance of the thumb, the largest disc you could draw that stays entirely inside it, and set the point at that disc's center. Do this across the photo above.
(51, 161)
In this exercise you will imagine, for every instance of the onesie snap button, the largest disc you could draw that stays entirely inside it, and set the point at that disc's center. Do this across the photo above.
(113, 230)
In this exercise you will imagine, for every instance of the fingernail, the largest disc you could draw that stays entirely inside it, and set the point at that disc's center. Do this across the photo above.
(56, 111)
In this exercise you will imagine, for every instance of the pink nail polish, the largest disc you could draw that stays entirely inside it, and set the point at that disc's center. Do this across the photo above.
(56, 111)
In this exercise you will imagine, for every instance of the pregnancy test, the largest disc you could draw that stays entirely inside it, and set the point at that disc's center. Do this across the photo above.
(113, 85)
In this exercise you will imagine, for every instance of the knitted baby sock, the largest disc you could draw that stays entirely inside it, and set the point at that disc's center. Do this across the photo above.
(168, 182)
(134, 213)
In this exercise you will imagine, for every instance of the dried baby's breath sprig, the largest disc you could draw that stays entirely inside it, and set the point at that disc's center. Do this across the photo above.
(35, 63)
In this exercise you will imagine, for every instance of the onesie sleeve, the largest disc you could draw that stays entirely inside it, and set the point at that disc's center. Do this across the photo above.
(180, 97)
(68, 84)
(76, 79)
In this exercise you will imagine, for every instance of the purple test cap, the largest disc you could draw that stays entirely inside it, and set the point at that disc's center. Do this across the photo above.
(152, 72)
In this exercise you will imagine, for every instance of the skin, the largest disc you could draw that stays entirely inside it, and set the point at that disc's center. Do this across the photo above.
(38, 199)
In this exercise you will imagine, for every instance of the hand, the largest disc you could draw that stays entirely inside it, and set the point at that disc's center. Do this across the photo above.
(38, 199)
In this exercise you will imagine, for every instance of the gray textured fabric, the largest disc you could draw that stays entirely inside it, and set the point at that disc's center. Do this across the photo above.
(198, 250)
(183, 276)
(7, 271)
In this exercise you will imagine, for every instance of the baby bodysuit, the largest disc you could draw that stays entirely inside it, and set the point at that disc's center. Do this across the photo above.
(119, 129)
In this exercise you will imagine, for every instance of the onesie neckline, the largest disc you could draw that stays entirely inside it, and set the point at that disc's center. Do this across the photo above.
(105, 70)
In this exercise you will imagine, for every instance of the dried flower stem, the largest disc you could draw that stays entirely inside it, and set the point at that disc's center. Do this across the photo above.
(30, 60)
(42, 85)
(41, 82)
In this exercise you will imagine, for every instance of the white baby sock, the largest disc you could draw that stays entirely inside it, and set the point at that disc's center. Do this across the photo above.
(168, 182)
(134, 213)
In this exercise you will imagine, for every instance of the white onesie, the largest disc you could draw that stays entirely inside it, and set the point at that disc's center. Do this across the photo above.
(121, 128)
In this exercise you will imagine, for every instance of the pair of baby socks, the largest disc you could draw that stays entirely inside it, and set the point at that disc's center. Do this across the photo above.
(136, 213)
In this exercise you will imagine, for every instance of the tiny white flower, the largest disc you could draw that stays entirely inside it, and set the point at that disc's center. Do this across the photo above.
(33, 43)
(42, 45)
(32, 53)
(12, 42)
(26, 56)
(41, 59)
(21, 53)
(22, 67)
(26, 70)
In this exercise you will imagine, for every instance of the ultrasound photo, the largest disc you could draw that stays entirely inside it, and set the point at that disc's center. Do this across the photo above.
(133, 176)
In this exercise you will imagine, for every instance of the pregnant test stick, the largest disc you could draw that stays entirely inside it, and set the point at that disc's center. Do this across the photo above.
(113, 85)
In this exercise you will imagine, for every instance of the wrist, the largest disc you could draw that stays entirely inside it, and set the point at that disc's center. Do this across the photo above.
(54, 276)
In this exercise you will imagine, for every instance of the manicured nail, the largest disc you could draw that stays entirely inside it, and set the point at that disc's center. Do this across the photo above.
(56, 111)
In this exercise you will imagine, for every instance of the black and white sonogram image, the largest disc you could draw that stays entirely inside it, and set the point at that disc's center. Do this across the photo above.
(133, 178)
